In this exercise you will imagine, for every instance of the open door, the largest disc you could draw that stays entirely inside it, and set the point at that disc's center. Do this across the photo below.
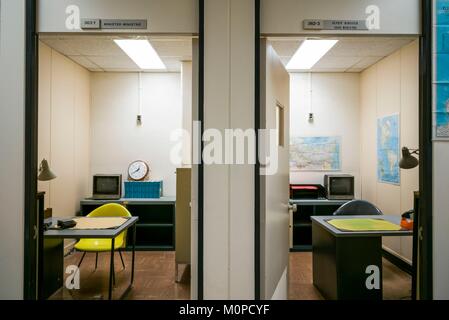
(274, 184)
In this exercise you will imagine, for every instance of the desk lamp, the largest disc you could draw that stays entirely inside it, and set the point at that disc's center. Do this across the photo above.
(45, 174)
(408, 161)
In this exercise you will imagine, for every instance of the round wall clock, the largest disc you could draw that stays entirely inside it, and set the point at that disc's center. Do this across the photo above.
(138, 170)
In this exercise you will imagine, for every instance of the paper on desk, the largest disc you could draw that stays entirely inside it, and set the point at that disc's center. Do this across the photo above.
(86, 223)
(364, 225)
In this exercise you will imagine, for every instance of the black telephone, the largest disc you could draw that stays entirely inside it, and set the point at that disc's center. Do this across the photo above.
(65, 224)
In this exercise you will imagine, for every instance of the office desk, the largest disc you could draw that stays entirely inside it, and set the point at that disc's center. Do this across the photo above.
(340, 258)
(99, 234)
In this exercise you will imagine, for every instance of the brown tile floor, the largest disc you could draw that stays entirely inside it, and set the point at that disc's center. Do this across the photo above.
(396, 283)
(155, 278)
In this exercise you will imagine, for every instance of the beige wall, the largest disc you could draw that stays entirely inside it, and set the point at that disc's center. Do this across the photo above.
(116, 138)
(335, 99)
(64, 130)
(389, 87)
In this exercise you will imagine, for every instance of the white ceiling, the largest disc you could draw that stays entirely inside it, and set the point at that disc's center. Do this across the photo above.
(100, 53)
(350, 54)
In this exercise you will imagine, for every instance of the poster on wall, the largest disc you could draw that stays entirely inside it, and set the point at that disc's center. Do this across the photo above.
(441, 71)
(388, 155)
(442, 111)
(315, 154)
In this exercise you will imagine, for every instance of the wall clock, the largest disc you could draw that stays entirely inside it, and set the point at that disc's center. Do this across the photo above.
(138, 170)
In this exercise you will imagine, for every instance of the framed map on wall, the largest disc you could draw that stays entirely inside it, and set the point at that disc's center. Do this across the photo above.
(388, 149)
(315, 154)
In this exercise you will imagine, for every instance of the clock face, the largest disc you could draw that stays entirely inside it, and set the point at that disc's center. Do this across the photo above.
(138, 170)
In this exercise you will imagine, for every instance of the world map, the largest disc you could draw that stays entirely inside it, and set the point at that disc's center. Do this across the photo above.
(388, 149)
(315, 153)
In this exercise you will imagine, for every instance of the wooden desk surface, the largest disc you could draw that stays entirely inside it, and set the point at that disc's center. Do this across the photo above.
(94, 234)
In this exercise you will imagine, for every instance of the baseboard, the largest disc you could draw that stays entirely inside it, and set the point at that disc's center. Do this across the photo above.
(398, 262)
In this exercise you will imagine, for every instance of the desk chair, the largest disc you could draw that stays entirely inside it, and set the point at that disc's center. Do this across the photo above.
(104, 245)
(358, 207)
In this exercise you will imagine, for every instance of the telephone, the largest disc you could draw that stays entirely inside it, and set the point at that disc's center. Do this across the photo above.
(407, 219)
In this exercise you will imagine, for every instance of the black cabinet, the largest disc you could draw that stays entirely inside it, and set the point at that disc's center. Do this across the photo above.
(155, 230)
(301, 224)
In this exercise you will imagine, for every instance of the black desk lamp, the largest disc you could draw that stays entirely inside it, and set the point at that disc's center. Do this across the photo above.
(408, 161)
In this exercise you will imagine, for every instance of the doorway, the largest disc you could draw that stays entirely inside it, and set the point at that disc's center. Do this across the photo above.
(101, 114)
(358, 83)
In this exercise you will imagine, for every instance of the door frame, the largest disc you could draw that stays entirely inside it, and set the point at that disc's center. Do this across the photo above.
(30, 283)
(423, 280)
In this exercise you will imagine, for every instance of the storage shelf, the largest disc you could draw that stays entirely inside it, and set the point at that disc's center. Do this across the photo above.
(155, 225)
(302, 224)
(301, 248)
(301, 232)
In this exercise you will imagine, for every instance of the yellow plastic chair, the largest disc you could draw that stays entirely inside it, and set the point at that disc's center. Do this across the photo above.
(104, 245)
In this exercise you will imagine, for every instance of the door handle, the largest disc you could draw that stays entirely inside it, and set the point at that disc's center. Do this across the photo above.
(35, 232)
(292, 207)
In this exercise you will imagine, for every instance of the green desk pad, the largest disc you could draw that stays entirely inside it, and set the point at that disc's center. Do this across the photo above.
(364, 225)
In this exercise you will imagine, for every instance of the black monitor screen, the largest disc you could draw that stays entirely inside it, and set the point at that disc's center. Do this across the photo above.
(342, 186)
(106, 185)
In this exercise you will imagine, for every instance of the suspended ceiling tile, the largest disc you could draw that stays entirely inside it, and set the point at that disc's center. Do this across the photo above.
(180, 48)
(84, 62)
(366, 62)
(355, 70)
(61, 46)
(330, 62)
(286, 48)
(96, 47)
(110, 62)
(172, 64)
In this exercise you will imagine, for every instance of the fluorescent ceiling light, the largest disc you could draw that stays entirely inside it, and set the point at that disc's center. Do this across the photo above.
(309, 53)
(142, 53)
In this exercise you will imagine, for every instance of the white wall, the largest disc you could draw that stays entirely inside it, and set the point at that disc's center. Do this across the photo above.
(64, 130)
(186, 91)
(283, 17)
(388, 87)
(229, 189)
(335, 105)
(163, 16)
(12, 119)
(117, 140)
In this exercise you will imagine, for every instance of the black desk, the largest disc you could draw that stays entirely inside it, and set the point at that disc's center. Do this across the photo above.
(99, 234)
(340, 258)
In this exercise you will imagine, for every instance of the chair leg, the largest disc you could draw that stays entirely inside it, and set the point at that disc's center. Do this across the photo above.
(96, 260)
(121, 258)
(113, 275)
(82, 258)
